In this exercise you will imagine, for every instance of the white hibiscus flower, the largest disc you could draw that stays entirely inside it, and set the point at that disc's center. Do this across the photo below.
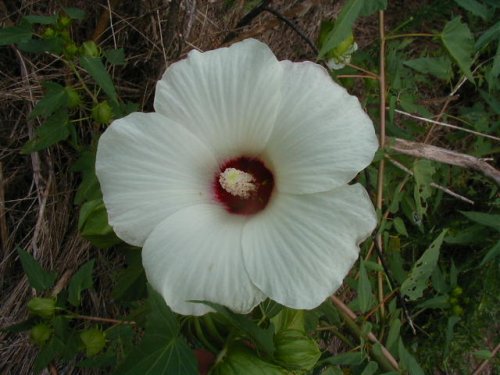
(236, 187)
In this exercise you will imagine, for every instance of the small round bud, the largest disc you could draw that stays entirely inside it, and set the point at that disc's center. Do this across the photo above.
(44, 307)
(48, 33)
(40, 334)
(64, 21)
(89, 48)
(70, 49)
(74, 99)
(457, 291)
(295, 350)
(102, 113)
(453, 301)
(94, 341)
(457, 310)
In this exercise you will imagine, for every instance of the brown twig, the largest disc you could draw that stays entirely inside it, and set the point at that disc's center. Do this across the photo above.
(104, 20)
(442, 155)
(101, 320)
(380, 180)
(350, 314)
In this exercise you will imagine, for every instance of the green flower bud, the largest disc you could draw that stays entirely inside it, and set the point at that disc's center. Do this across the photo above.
(102, 113)
(295, 350)
(94, 341)
(457, 310)
(48, 33)
(457, 291)
(70, 49)
(453, 300)
(40, 333)
(44, 307)
(89, 48)
(73, 97)
(65, 35)
(344, 46)
(64, 21)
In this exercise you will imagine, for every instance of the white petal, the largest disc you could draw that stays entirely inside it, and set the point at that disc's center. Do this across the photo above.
(149, 167)
(322, 137)
(196, 254)
(299, 250)
(228, 97)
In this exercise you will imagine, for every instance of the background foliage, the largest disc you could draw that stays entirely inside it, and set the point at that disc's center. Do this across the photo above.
(424, 295)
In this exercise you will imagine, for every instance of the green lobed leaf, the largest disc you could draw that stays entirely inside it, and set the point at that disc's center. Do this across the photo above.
(489, 220)
(38, 278)
(459, 42)
(439, 67)
(80, 281)
(54, 98)
(95, 67)
(417, 280)
(263, 337)
(364, 289)
(15, 34)
(343, 25)
(50, 351)
(93, 224)
(475, 8)
(240, 360)
(55, 129)
(115, 56)
(162, 351)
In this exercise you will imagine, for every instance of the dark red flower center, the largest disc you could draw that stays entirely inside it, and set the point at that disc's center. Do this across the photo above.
(243, 185)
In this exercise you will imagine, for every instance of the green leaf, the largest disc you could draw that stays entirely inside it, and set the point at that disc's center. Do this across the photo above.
(364, 289)
(240, 360)
(459, 42)
(115, 56)
(489, 220)
(393, 335)
(491, 254)
(475, 8)
(15, 34)
(42, 20)
(493, 33)
(38, 278)
(75, 13)
(343, 25)
(417, 280)
(408, 361)
(423, 170)
(289, 319)
(439, 67)
(370, 369)
(52, 131)
(80, 281)
(263, 337)
(162, 350)
(483, 354)
(93, 224)
(450, 328)
(55, 97)
(95, 67)
(54, 45)
(372, 6)
(89, 188)
(345, 359)
(400, 226)
(438, 302)
(50, 351)
(131, 282)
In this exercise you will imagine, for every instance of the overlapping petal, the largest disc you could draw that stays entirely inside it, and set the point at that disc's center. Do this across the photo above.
(195, 254)
(149, 167)
(322, 137)
(299, 249)
(228, 97)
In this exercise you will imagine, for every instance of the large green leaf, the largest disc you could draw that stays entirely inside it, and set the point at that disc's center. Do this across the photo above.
(343, 25)
(15, 34)
(493, 33)
(80, 281)
(162, 351)
(417, 280)
(37, 277)
(95, 67)
(263, 337)
(475, 7)
(459, 42)
(439, 67)
(488, 220)
(408, 361)
(242, 361)
(55, 129)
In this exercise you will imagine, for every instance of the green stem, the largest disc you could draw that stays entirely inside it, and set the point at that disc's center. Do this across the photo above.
(409, 35)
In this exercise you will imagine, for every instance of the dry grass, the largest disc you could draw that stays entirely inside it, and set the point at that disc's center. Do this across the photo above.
(36, 191)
